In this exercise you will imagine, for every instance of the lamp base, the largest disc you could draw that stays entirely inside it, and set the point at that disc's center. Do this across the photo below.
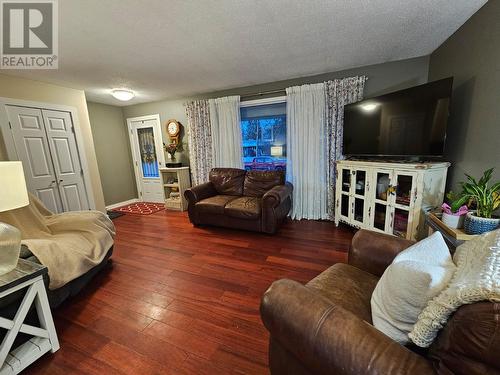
(10, 247)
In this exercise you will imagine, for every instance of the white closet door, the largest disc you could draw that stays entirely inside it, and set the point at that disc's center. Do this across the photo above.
(32, 148)
(66, 160)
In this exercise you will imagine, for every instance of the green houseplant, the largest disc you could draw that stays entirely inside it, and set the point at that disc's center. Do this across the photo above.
(485, 197)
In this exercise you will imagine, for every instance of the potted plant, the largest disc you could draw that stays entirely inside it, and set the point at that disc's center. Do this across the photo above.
(454, 211)
(486, 199)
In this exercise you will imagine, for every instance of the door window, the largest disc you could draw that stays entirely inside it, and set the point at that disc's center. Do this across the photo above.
(149, 161)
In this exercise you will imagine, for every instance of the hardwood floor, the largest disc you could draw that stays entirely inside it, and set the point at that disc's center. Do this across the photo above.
(184, 300)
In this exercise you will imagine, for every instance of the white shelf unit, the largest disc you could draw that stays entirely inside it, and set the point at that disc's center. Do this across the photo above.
(175, 181)
(388, 197)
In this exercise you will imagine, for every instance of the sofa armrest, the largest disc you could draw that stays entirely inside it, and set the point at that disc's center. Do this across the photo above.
(328, 339)
(200, 192)
(373, 252)
(277, 194)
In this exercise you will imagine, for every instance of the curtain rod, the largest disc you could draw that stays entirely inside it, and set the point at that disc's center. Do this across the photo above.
(262, 93)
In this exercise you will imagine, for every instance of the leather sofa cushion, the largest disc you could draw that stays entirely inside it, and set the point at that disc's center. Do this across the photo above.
(348, 287)
(215, 204)
(227, 181)
(257, 183)
(249, 208)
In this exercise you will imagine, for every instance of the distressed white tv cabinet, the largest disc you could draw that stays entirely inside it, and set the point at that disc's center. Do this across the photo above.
(388, 197)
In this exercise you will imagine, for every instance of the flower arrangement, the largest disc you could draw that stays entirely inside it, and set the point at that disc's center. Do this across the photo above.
(171, 149)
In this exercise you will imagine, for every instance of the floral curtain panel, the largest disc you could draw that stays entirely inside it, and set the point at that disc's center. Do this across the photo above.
(200, 140)
(339, 93)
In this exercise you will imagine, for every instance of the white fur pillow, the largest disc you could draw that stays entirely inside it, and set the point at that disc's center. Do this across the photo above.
(416, 275)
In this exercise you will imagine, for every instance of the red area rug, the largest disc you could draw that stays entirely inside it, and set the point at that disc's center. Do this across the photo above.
(141, 208)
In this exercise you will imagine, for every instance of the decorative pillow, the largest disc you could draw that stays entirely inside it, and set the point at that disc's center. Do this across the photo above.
(415, 276)
(476, 279)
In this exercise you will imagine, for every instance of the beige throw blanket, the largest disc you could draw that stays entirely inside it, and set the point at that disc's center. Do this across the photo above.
(68, 244)
(477, 278)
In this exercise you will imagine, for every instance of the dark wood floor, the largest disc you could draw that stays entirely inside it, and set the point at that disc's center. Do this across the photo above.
(184, 300)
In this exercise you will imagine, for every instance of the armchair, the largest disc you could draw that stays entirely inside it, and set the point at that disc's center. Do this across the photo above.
(325, 327)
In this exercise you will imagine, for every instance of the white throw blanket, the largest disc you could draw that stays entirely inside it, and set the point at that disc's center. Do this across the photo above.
(477, 278)
(68, 244)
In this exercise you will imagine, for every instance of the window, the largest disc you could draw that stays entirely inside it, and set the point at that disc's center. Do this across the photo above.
(263, 128)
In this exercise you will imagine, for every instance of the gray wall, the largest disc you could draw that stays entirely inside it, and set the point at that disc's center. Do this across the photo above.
(112, 148)
(472, 56)
(383, 78)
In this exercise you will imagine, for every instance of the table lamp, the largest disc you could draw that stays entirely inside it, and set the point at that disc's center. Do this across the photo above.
(13, 194)
(276, 150)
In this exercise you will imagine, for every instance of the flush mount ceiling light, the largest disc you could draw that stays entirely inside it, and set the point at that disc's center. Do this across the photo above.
(122, 94)
(368, 107)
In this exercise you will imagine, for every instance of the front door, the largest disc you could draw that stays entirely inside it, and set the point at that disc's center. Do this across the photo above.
(147, 151)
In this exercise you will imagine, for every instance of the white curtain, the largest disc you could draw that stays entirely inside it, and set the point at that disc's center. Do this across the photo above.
(226, 132)
(307, 150)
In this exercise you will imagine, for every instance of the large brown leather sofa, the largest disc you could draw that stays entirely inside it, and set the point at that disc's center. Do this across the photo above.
(325, 327)
(234, 198)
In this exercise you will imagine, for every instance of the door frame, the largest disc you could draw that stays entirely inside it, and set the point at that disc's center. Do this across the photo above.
(80, 144)
(135, 158)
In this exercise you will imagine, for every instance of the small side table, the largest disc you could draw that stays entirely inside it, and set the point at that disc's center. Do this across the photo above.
(28, 276)
(451, 241)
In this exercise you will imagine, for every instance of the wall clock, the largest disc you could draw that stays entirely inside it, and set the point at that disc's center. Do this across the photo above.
(173, 130)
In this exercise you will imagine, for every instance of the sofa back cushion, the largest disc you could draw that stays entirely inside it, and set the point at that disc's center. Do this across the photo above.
(227, 181)
(257, 183)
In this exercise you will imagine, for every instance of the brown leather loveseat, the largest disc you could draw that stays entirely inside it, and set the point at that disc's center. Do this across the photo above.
(325, 327)
(234, 198)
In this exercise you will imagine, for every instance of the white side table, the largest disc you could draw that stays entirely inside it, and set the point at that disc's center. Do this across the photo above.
(27, 276)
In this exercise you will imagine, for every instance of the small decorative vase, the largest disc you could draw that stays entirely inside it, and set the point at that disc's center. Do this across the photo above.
(477, 225)
(453, 221)
(10, 247)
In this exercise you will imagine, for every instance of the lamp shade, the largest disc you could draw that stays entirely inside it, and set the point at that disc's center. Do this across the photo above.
(12, 186)
(276, 150)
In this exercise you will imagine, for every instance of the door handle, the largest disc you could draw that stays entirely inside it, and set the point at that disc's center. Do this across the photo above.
(52, 182)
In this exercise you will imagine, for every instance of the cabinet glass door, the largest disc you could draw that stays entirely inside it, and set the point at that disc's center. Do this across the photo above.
(381, 194)
(382, 190)
(346, 180)
(401, 219)
(359, 195)
(360, 182)
(404, 193)
(402, 201)
(345, 191)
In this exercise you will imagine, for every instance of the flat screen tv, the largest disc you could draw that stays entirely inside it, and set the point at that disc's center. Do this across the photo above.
(403, 124)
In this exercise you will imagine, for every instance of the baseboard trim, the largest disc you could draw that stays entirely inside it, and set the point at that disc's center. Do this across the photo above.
(116, 205)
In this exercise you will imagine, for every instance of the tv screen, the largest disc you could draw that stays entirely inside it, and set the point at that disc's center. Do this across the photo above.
(404, 123)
